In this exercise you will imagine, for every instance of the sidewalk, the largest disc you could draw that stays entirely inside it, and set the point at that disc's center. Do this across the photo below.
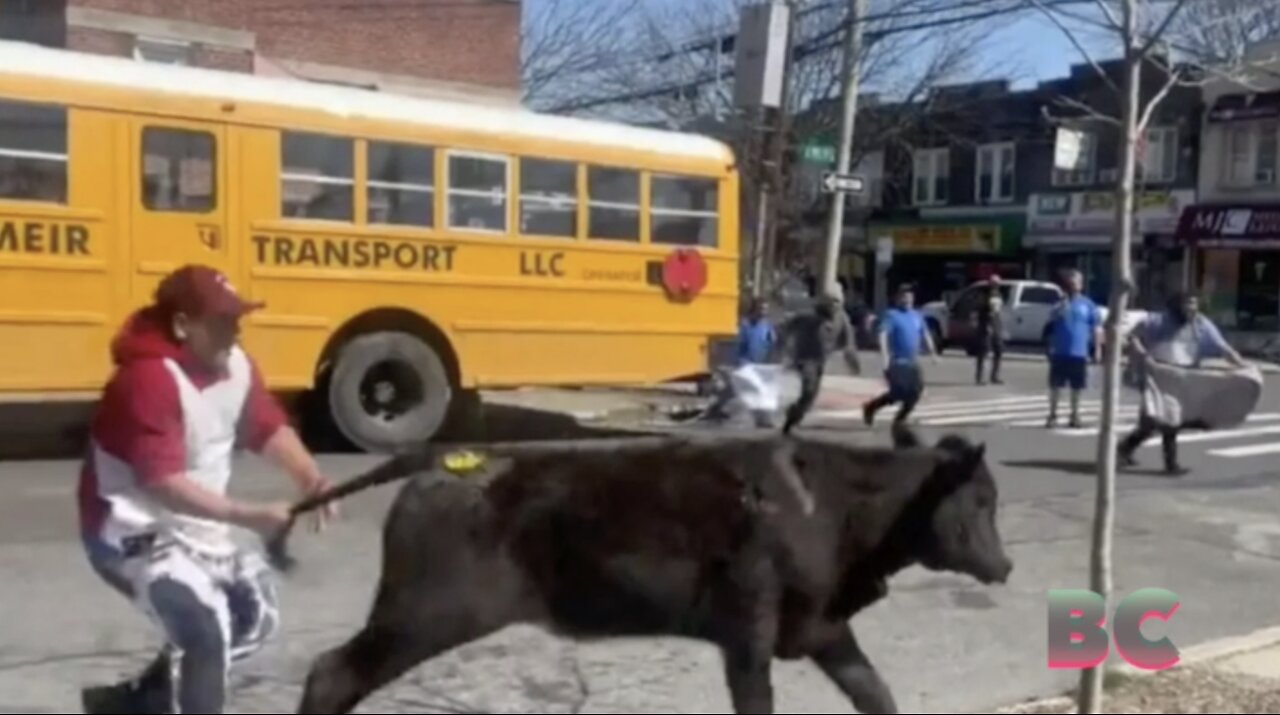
(1234, 675)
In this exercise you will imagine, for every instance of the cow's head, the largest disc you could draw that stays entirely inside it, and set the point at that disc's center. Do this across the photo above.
(960, 534)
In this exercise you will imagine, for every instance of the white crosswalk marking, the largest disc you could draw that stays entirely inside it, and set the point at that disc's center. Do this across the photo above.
(1029, 411)
(1260, 435)
(1252, 450)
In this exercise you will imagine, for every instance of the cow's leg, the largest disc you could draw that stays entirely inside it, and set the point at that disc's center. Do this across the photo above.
(850, 669)
(745, 626)
(385, 650)
(750, 679)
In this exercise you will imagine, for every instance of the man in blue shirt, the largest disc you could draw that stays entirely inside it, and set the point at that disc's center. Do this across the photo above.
(1180, 336)
(757, 341)
(902, 330)
(756, 336)
(1075, 335)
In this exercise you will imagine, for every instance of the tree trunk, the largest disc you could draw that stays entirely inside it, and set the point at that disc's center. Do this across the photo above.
(1100, 572)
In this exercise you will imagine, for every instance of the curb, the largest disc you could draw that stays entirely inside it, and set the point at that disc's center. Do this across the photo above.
(1197, 655)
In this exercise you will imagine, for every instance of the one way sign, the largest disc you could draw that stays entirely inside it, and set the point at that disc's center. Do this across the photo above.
(842, 183)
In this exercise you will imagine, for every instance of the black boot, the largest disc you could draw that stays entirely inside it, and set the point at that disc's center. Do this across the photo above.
(150, 693)
(1171, 466)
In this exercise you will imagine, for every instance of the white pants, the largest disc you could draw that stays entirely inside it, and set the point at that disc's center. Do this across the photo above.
(214, 612)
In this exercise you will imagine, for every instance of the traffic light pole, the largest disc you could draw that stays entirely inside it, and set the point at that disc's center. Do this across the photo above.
(852, 75)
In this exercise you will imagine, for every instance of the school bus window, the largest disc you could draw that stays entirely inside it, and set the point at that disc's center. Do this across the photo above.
(614, 203)
(402, 185)
(179, 170)
(33, 152)
(318, 178)
(548, 198)
(478, 192)
(684, 211)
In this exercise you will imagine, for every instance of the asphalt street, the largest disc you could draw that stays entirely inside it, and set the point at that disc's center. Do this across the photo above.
(944, 643)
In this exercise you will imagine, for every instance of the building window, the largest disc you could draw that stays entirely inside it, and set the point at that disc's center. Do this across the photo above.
(1251, 155)
(932, 176)
(318, 180)
(179, 170)
(995, 184)
(402, 180)
(615, 204)
(33, 152)
(1159, 160)
(684, 211)
(166, 52)
(478, 192)
(1085, 171)
(548, 198)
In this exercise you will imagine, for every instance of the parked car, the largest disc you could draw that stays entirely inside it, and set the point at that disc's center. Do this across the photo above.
(1028, 308)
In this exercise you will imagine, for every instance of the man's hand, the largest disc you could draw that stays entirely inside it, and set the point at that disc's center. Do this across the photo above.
(287, 451)
(268, 520)
(321, 517)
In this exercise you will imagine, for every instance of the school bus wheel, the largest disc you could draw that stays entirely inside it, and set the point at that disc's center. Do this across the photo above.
(389, 391)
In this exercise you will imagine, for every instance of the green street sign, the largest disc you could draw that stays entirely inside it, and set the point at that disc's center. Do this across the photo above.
(814, 153)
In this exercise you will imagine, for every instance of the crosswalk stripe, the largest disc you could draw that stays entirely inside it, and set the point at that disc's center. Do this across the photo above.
(1124, 411)
(1247, 451)
(1190, 437)
(1230, 434)
(971, 404)
(1009, 417)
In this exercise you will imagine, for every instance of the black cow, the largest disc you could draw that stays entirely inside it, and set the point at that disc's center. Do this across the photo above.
(763, 546)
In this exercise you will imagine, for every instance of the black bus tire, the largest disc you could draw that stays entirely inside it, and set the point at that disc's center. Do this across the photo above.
(389, 392)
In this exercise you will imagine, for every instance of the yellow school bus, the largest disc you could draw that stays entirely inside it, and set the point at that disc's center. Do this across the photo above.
(410, 251)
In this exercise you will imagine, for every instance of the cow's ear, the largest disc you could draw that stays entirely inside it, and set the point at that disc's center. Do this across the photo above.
(973, 458)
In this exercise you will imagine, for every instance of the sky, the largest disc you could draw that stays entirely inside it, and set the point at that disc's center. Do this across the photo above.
(1038, 49)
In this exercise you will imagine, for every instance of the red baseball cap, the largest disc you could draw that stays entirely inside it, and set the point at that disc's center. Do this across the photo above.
(201, 291)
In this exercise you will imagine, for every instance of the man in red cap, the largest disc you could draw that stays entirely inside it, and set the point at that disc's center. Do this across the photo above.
(154, 512)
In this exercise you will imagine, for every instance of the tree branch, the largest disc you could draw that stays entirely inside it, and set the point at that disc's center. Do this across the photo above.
(1144, 119)
(1078, 45)
(1163, 27)
(1112, 20)
(1088, 110)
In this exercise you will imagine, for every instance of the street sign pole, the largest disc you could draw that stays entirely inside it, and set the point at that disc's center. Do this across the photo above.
(852, 73)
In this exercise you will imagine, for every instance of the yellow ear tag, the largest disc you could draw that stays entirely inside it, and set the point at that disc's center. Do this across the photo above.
(459, 462)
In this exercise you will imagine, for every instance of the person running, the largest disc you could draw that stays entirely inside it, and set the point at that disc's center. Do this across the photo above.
(813, 337)
(757, 341)
(1076, 325)
(155, 518)
(990, 332)
(902, 330)
(1180, 336)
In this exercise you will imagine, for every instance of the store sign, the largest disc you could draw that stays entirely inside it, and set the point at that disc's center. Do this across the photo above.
(945, 239)
(1094, 212)
(1231, 225)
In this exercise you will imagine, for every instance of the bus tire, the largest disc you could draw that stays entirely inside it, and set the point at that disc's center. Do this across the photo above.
(389, 392)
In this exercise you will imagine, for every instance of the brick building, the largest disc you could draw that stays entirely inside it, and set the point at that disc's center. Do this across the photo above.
(466, 49)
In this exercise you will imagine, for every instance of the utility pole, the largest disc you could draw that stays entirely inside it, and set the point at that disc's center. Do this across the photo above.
(763, 54)
(780, 138)
(852, 75)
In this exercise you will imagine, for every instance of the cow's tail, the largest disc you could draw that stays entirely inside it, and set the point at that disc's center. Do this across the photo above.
(394, 469)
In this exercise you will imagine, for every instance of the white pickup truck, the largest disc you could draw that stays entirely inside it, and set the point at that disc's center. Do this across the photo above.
(1028, 306)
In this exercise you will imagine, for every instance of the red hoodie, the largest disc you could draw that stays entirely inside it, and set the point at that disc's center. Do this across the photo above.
(139, 420)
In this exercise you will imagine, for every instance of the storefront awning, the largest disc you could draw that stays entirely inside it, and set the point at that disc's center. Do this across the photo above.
(1065, 240)
(1245, 107)
(1231, 226)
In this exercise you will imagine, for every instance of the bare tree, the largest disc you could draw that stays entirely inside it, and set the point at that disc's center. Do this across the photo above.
(562, 40)
(1221, 32)
(1210, 38)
